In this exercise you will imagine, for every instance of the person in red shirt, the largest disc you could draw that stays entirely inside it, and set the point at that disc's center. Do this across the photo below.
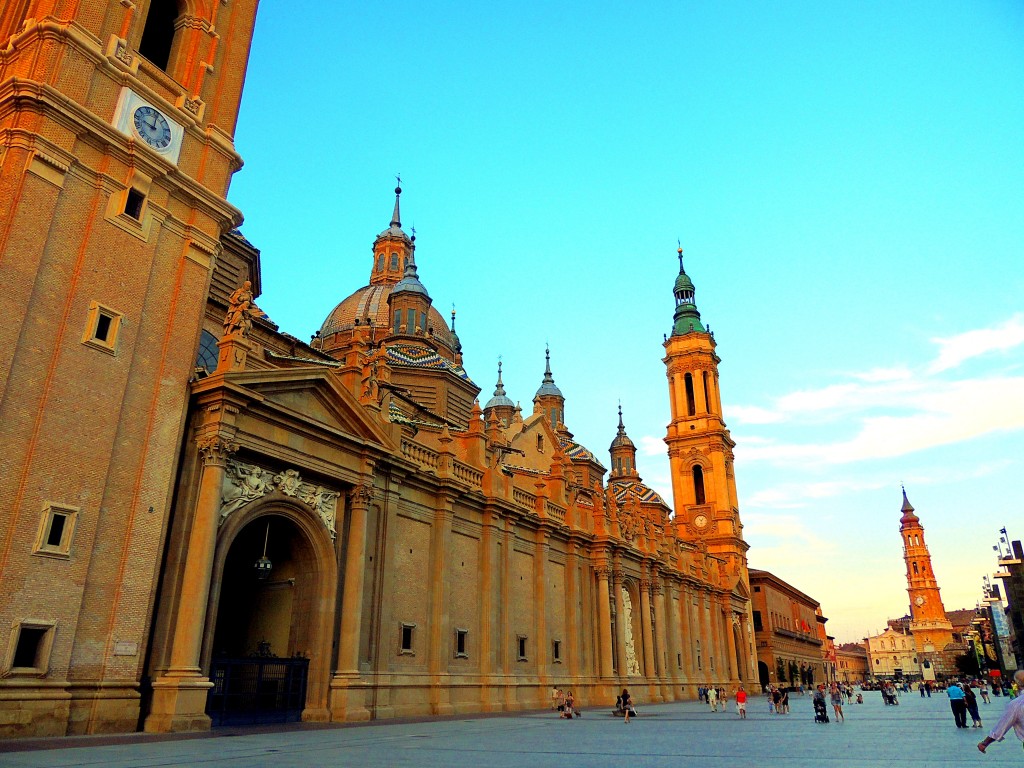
(741, 703)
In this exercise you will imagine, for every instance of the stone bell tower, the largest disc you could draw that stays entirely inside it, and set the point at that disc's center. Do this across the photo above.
(116, 152)
(699, 445)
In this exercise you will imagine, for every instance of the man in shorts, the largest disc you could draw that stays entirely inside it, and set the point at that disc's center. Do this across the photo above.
(741, 703)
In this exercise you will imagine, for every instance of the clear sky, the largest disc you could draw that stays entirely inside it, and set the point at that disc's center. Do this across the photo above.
(847, 181)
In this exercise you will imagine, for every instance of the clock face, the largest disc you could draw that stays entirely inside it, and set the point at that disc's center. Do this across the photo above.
(700, 521)
(919, 601)
(152, 127)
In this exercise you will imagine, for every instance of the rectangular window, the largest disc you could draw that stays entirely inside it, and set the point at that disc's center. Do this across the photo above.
(460, 644)
(556, 651)
(30, 649)
(521, 647)
(410, 323)
(101, 327)
(679, 660)
(405, 639)
(398, 320)
(56, 528)
(133, 204)
(757, 621)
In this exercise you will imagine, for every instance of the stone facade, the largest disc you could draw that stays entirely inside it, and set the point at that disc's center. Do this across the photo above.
(791, 649)
(184, 483)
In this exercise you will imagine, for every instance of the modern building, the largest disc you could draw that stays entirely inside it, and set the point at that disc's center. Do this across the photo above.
(1011, 573)
(206, 520)
(789, 632)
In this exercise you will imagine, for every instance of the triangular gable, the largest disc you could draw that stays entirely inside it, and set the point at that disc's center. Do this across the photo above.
(740, 589)
(313, 394)
(526, 441)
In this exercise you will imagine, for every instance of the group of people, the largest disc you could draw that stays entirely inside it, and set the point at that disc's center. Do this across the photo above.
(711, 695)
(564, 702)
(778, 700)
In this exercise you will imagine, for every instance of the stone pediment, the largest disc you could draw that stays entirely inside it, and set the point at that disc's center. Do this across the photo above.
(313, 394)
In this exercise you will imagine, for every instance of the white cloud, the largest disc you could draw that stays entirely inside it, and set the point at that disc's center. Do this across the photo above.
(876, 375)
(752, 414)
(652, 446)
(954, 350)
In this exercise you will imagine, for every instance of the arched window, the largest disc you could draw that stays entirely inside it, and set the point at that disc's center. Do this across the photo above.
(394, 261)
(206, 360)
(707, 393)
(698, 484)
(915, 568)
(691, 406)
(380, 263)
(158, 34)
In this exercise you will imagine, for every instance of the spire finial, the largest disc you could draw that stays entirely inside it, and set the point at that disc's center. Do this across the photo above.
(547, 361)
(622, 427)
(453, 317)
(679, 250)
(499, 390)
(396, 217)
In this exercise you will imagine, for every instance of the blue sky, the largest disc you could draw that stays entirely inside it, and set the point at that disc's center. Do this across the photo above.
(846, 181)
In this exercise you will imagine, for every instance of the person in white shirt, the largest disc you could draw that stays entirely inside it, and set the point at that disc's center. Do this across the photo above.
(1013, 717)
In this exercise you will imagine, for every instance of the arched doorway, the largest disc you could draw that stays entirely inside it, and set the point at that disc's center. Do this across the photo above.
(267, 644)
(762, 674)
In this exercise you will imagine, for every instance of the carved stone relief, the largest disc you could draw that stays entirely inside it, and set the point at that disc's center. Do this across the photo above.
(632, 665)
(244, 483)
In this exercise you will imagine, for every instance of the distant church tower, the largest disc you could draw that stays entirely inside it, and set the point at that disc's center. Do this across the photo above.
(699, 446)
(931, 629)
(116, 153)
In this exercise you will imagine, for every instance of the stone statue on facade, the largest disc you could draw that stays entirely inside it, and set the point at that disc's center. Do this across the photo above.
(242, 310)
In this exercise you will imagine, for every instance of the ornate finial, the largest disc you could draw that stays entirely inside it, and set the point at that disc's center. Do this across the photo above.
(621, 425)
(499, 390)
(396, 216)
(453, 317)
(679, 250)
(413, 234)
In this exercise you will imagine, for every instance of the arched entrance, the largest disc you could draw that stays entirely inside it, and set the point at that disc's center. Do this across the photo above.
(762, 674)
(267, 643)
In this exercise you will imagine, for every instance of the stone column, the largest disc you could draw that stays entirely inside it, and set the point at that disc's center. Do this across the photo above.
(707, 645)
(730, 638)
(661, 638)
(440, 642)
(348, 698)
(540, 562)
(572, 617)
(674, 646)
(604, 614)
(686, 633)
(179, 694)
(486, 598)
(650, 671)
(620, 628)
(505, 616)
(749, 667)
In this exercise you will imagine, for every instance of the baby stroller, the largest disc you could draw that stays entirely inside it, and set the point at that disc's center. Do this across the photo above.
(820, 711)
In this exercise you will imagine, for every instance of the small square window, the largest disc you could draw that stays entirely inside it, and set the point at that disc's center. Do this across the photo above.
(29, 651)
(521, 647)
(101, 327)
(56, 528)
(405, 639)
(556, 651)
(133, 203)
(460, 644)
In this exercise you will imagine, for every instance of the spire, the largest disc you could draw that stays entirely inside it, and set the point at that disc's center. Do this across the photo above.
(686, 317)
(908, 510)
(623, 453)
(500, 400)
(456, 342)
(396, 217)
(547, 385)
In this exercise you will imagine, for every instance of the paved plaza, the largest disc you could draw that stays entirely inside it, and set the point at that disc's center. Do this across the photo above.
(919, 732)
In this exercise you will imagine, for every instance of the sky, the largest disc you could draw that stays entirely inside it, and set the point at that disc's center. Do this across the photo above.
(846, 180)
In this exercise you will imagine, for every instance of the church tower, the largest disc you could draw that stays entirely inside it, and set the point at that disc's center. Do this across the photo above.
(699, 446)
(931, 629)
(116, 153)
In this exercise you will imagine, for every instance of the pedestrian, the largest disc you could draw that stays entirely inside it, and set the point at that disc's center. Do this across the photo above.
(957, 704)
(972, 705)
(837, 702)
(770, 695)
(920, 688)
(560, 700)
(554, 696)
(713, 698)
(569, 707)
(741, 703)
(627, 703)
(784, 701)
(984, 692)
(1013, 717)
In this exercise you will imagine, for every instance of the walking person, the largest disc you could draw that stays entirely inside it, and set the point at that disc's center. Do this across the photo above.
(713, 698)
(984, 692)
(1013, 717)
(957, 704)
(741, 703)
(627, 704)
(837, 702)
(972, 705)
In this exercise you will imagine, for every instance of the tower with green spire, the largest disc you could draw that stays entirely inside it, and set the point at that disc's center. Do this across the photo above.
(686, 318)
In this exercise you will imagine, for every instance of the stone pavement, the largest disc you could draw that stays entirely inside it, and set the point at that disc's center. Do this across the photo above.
(919, 732)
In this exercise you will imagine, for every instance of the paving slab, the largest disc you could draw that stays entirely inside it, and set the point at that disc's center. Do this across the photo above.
(919, 732)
